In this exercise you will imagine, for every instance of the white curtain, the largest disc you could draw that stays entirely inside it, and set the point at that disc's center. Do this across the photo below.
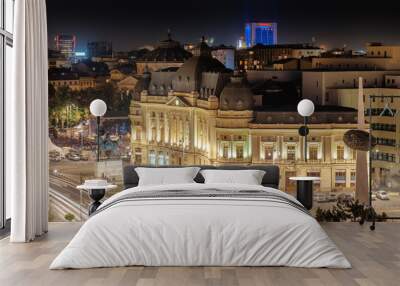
(27, 124)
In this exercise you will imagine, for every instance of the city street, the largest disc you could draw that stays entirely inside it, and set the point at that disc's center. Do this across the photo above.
(72, 156)
(65, 198)
(391, 207)
(65, 175)
(75, 171)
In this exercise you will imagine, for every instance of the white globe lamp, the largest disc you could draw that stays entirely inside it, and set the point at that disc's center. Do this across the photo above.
(305, 108)
(98, 108)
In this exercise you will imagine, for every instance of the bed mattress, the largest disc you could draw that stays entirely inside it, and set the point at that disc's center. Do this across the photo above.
(201, 225)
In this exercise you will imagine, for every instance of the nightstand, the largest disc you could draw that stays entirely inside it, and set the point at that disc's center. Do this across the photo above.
(96, 189)
(305, 190)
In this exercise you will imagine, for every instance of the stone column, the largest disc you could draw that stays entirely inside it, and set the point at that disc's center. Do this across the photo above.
(166, 128)
(348, 178)
(148, 127)
(212, 139)
(255, 148)
(279, 148)
(195, 132)
(158, 136)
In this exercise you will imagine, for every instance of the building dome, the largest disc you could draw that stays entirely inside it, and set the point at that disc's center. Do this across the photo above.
(167, 51)
(236, 95)
(189, 75)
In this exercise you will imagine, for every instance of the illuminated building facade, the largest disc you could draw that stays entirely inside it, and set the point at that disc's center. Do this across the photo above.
(240, 44)
(385, 124)
(260, 33)
(378, 57)
(65, 44)
(203, 114)
(322, 87)
(71, 80)
(261, 57)
(226, 55)
(334, 81)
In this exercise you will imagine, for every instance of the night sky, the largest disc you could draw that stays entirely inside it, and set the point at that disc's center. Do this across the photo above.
(132, 24)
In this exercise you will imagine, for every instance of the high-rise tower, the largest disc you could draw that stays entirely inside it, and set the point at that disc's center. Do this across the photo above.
(65, 44)
(265, 33)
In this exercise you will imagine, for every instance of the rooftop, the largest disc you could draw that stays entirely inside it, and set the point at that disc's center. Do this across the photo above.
(287, 114)
(169, 69)
(126, 69)
(62, 74)
(293, 108)
(284, 61)
(223, 47)
(167, 51)
(287, 46)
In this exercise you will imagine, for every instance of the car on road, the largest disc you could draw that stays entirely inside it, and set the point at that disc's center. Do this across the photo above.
(332, 197)
(125, 157)
(345, 197)
(373, 196)
(382, 195)
(321, 198)
(84, 157)
(73, 157)
(54, 156)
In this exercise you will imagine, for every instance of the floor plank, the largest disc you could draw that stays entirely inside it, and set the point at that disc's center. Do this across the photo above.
(375, 257)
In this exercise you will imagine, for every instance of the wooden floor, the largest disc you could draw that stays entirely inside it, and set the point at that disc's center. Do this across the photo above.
(375, 257)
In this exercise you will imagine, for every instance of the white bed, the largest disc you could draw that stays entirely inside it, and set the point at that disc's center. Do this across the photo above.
(201, 231)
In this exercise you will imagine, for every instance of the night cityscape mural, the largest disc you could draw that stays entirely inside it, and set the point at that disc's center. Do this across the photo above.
(218, 83)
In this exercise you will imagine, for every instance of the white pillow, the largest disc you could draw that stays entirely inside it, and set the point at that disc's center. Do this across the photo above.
(166, 176)
(248, 177)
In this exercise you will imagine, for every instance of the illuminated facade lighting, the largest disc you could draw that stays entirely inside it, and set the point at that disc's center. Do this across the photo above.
(65, 44)
(264, 33)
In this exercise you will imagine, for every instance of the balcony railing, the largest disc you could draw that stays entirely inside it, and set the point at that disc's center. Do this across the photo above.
(299, 161)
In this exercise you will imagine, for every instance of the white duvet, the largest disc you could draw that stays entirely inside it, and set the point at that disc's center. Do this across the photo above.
(202, 232)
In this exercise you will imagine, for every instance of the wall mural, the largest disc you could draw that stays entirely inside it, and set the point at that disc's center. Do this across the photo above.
(196, 111)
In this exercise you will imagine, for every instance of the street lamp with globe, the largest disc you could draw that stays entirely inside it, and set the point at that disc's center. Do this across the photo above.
(98, 108)
(305, 108)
